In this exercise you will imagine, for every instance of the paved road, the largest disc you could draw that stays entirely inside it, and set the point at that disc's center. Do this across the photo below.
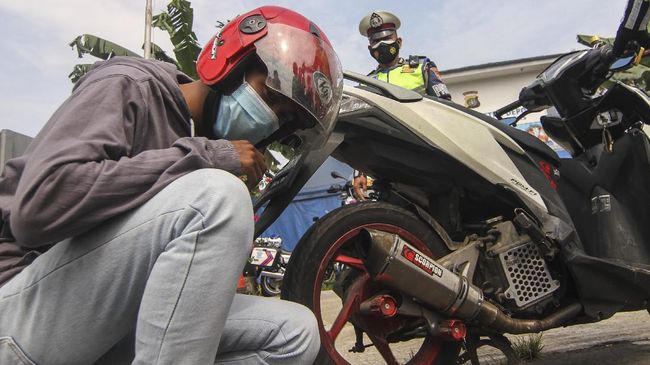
(620, 353)
(623, 339)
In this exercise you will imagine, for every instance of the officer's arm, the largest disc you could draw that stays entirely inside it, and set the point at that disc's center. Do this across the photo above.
(634, 26)
(434, 84)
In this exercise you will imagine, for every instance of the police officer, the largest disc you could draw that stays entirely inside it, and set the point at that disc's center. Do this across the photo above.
(417, 73)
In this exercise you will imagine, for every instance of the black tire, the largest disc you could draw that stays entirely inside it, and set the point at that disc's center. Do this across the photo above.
(271, 287)
(300, 277)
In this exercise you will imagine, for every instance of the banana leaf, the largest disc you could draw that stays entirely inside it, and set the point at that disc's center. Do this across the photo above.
(78, 71)
(99, 47)
(592, 40)
(160, 55)
(177, 22)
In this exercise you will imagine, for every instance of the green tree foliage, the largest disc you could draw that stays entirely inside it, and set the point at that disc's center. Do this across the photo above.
(177, 22)
(98, 47)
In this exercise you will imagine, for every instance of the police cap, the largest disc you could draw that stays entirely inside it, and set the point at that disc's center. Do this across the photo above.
(378, 24)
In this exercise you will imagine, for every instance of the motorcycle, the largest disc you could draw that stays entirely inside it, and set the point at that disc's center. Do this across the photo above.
(343, 190)
(267, 263)
(481, 229)
(346, 190)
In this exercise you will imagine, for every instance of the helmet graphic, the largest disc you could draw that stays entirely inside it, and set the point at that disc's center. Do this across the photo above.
(299, 59)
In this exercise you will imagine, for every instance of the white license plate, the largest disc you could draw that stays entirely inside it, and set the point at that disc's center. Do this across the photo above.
(262, 256)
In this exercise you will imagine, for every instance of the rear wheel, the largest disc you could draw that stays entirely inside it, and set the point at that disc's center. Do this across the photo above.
(333, 240)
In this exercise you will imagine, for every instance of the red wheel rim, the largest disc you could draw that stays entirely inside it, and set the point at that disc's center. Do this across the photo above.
(431, 346)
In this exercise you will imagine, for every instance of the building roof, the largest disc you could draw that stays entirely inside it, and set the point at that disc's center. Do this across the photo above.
(493, 69)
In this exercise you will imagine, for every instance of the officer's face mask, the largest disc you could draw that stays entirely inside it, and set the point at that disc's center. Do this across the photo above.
(243, 115)
(384, 51)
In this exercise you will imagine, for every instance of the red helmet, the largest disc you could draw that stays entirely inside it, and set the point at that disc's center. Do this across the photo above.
(300, 60)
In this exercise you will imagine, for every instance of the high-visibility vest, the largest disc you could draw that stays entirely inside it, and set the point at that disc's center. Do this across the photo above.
(403, 75)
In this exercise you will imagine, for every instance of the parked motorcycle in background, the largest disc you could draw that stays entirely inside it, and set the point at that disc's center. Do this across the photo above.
(346, 191)
(267, 264)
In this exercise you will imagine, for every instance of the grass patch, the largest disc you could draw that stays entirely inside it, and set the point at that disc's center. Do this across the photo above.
(327, 285)
(529, 347)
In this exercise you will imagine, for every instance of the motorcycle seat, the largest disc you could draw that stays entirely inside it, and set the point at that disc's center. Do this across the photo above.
(527, 141)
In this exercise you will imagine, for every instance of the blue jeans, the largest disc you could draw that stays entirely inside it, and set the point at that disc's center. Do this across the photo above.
(161, 278)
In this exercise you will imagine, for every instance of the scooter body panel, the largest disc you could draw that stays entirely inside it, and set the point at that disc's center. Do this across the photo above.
(465, 138)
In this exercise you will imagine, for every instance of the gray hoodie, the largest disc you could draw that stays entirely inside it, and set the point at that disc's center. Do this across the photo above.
(120, 138)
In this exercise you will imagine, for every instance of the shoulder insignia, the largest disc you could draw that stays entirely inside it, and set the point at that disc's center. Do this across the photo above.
(408, 69)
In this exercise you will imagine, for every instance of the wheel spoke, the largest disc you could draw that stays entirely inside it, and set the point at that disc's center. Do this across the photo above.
(473, 357)
(351, 261)
(350, 306)
(470, 353)
(353, 285)
(383, 348)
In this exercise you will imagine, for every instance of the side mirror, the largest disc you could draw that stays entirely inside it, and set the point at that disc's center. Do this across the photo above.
(622, 63)
(334, 189)
(337, 175)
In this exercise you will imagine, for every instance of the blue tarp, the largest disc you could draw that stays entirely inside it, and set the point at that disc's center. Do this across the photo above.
(311, 203)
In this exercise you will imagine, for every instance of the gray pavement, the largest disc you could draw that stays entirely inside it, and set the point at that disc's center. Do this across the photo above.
(623, 339)
(617, 353)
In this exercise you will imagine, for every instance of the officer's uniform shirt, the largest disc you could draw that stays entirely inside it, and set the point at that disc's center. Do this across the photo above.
(418, 73)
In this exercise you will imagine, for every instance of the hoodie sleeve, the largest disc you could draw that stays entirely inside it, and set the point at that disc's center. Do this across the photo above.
(81, 171)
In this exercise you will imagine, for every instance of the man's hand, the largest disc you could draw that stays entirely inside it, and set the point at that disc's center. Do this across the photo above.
(252, 162)
(360, 186)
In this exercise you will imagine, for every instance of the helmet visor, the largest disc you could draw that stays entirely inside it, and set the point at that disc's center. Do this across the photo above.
(304, 68)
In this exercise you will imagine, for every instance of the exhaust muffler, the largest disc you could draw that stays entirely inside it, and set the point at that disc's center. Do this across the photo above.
(396, 263)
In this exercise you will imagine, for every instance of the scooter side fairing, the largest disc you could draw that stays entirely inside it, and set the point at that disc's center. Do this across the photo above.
(383, 148)
(465, 138)
(606, 287)
(610, 202)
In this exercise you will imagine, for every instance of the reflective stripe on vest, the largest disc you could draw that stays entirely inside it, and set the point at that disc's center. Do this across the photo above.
(408, 80)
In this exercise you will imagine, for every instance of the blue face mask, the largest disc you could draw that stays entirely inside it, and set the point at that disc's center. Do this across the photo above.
(244, 115)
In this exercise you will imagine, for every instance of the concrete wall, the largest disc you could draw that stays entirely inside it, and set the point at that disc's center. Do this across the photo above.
(497, 84)
(493, 93)
(12, 144)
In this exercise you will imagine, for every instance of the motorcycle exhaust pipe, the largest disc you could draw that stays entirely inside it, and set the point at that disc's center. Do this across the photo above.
(274, 275)
(396, 263)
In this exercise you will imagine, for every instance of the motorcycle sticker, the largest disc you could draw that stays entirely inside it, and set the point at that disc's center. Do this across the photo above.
(262, 256)
(323, 87)
(420, 261)
(523, 187)
(601, 204)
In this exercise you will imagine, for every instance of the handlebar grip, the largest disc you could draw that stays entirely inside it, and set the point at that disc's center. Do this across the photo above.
(597, 66)
(607, 54)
